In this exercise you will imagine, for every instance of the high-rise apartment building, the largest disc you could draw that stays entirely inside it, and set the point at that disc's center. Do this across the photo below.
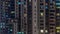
(29, 16)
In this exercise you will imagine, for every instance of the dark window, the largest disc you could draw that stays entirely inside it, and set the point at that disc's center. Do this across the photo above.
(41, 10)
(41, 20)
(46, 0)
(51, 17)
(41, 3)
(51, 14)
(41, 0)
(41, 27)
(51, 27)
(57, 17)
(52, 24)
(52, 10)
(51, 20)
(41, 17)
(41, 24)
(41, 7)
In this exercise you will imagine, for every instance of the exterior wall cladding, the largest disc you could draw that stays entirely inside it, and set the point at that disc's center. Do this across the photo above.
(29, 16)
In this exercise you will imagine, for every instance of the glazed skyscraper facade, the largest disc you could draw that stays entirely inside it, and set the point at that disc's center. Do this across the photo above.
(30, 16)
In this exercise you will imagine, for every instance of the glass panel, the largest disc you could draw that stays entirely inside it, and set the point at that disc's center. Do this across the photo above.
(20, 32)
(57, 27)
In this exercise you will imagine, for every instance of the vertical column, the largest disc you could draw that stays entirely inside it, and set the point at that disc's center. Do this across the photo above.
(34, 17)
(25, 25)
(15, 27)
(57, 2)
(52, 13)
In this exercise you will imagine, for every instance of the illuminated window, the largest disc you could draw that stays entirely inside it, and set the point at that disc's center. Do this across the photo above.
(20, 32)
(58, 14)
(58, 7)
(57, 3)
(2, 25)
(57, 27)
(58, 31)
(10, 29)
(46, 7)
(12, 12)
(41, 31)
(29, 0)
(41, 14)
(19, 2)
(46, 31)
(25, 15)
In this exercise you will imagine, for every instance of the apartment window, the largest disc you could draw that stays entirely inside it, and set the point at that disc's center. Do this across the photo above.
(2, 25)
(12, 20)
(41, 3)
(58, 14)
(6, 15)
(52, 10)
(58, 27)
(57, 17)
(57, 31)
(41, 14)
(52, 24)
(19, 3)
(58, 7)
(51, 27)
(12, 12)
(51, 14)
(41, 24)
(41, 10)
(41, 31)
(41, 17)
(46, 7)
(41, 20)
(46, 31)
(25, 15)
(51, 7)
(41, 0)
(41, 27)
(51, 20)
(57, 3)
(46, 0)
(51, 4)
(20, 32)
(51, 1)
(51, 17)
(41, 7)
